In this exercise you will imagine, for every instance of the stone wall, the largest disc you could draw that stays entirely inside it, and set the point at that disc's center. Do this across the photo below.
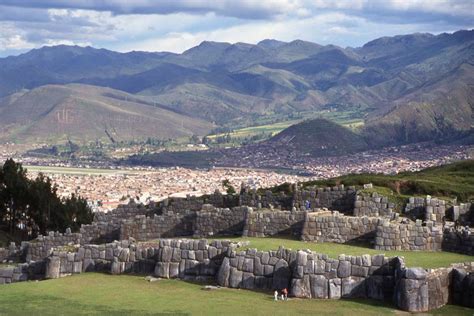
(464, 213)
(463, 285)
(409, 236)
(10, 254)
(415, 208)
(311, 275)
(186, 259)
(264, 223)
(429, 209)
(317, 276)
(372, 205)
(337, 198)
(459, 239)
(250, 198)
(159, 226)
(335, 227)
(41, 247)
(22, 272)
(252, 269)
(420, 290)
(435, 210)
(211, 221)
(101, 231)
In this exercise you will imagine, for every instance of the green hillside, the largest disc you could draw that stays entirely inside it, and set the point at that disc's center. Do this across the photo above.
(319, 137)
(454, 180)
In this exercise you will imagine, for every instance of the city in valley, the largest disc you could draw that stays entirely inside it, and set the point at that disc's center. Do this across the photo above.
(106, 187)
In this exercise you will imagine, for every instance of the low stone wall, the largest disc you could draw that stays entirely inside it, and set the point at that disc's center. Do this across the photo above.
(186, 259)
(41, 247)
(159, 226)
(420, 290)
(337, 198)
(22, 272)
(264, 223)
(458, 240)
(429, 209)
(317, 276)
(415, 208)
(252, 269)
(464, 213)
(10, 254)
(101, 232)
(435, 210)
(463, 286)
(409, 236)
(334, 227)
(211, 221)
(372, 205)
(250, 198)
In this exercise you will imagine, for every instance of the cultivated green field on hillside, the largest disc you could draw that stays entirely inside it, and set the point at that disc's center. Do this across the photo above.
(424, 259)
(350, 119)
(102, 294)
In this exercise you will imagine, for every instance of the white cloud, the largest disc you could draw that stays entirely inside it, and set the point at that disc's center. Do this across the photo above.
(178, 25)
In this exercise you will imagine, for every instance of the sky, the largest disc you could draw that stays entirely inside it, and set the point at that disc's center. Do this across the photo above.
(177, 25)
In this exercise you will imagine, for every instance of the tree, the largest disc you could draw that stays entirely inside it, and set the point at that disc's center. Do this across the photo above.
(32, 207)
(229, 188)
(13, 194)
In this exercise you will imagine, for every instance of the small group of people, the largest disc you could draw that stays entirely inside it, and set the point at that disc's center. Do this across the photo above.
(283, 294)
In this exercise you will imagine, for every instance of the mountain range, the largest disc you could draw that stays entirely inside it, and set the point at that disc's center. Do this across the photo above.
(408, 88)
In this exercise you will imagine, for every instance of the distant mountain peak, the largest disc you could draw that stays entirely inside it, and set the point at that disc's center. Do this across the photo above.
(271, 43)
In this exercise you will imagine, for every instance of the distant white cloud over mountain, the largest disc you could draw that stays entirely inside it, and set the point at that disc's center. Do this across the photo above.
(178, 25)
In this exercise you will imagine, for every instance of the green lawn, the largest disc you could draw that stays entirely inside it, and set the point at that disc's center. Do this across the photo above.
(423, 259)
(102, 294)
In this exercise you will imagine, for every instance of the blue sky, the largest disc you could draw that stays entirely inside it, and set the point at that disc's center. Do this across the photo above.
(176, 25)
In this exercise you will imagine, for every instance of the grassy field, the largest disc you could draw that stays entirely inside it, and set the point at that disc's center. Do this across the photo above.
(423, 259)
(102, 294)
(254, 130)
(350, 119)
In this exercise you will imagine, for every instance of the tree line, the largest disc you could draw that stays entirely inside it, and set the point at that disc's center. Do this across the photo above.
(32, 207)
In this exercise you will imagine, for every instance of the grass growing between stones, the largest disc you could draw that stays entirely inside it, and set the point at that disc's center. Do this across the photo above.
(102, 294)
(424, 259)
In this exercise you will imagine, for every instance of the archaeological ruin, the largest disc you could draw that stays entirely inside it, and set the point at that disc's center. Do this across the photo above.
(169, 239)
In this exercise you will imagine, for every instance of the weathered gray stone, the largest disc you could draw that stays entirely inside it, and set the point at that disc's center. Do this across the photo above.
(319, 286)
(335, 288)
(344, 269)
(224, 272)
(281, 275)
(235, 278)
(415, 273)
(353, 287)
(52, 267)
